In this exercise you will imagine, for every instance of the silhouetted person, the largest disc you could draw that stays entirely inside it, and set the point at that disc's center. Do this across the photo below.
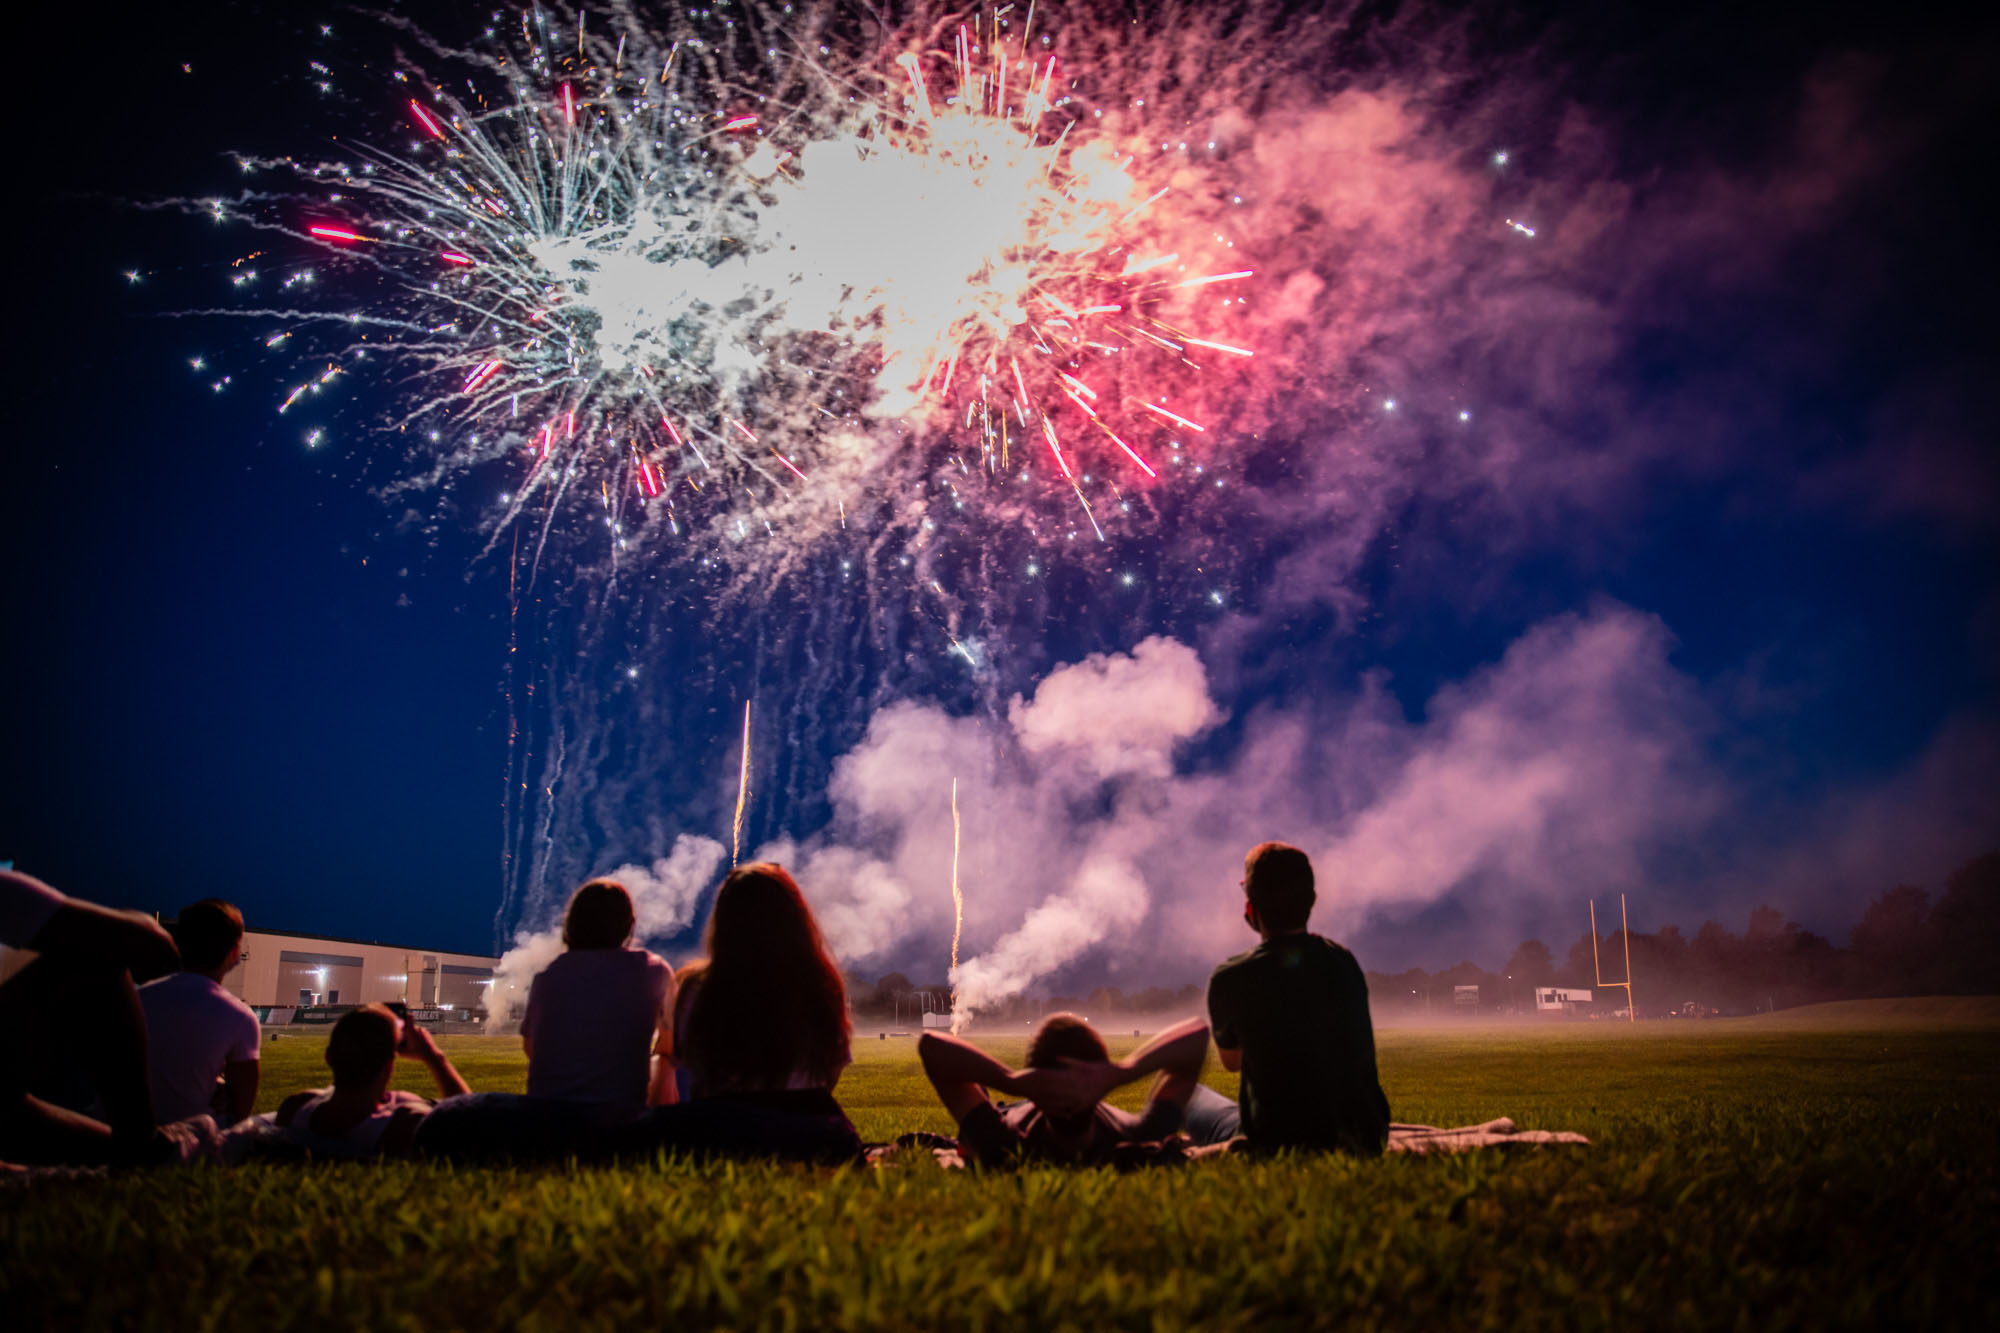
(596, 1013)
(1069, 1070)
(71, 1029)
(360, 1115)
(1292, 1015)
(761, 1027)
(201, 1040)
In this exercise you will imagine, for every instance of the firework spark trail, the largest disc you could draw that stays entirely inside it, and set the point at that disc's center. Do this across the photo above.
(957, 898)
(742, 792)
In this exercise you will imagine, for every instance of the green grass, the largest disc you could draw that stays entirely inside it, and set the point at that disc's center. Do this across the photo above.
(1752, 1173)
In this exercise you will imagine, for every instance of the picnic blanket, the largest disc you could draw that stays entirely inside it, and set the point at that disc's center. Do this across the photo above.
(1418, 1140)
(1500, 1133)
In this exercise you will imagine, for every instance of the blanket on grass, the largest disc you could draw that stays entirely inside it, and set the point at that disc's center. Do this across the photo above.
(1500, 1133)
(1417, 1140)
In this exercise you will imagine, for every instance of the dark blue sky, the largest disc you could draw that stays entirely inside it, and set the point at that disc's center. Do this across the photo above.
(232, 668)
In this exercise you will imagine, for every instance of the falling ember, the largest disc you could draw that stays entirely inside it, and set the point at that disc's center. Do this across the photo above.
(742, 792)
(424, 118)
(740, 123)
(1216, 277)
(1219, 347)
(1178, 420)
(1049, 430)
(334, 233)
(1133, 454)
(480, 375)
(453, 257)
(957, 898)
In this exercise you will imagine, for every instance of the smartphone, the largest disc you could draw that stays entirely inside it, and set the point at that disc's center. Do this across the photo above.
(398, 1008)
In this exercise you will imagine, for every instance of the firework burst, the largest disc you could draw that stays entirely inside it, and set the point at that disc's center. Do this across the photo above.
(724, 280)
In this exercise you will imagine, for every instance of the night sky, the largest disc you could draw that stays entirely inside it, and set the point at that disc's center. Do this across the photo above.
(1752, 450)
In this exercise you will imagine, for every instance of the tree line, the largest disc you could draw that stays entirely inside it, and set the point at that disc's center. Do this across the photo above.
(1906, 943)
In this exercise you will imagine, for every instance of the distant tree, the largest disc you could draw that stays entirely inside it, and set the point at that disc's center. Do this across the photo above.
(1580, 968)
(1967, 923)
(1530, 965)
(880, 999)
(1767, 924)
(1894, 943)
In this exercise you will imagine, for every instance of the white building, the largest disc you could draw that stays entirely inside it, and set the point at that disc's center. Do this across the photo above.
(1560, 998)
(281, 968)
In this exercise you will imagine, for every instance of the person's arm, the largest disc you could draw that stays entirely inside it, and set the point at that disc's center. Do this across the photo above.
(662, 1088)
(421, 1046)
(1177, 1053)
(1222, 1026)
(401, 1131)
(961, 1072)
(290, 1107)
(123, 941)
(528, 1022)
(238, 1092)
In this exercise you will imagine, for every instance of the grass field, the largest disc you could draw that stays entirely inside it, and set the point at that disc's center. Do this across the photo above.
(1802, 1170)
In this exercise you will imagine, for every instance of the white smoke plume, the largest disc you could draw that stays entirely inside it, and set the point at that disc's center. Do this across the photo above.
(664, 897)
(1102, 832)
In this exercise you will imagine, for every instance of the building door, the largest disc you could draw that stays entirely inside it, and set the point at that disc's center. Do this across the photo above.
(306, 998)
(428, 995)
(333, 997)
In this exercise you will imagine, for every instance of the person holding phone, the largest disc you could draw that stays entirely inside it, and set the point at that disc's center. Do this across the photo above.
(361, 1115)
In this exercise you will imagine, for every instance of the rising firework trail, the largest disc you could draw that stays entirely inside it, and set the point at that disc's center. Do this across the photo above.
(742, 792)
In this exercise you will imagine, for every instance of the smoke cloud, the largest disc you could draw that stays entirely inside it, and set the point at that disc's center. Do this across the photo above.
(664, 897)
(1106, 819)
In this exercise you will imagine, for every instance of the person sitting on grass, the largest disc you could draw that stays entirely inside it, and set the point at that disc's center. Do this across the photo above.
(71, 1031)
(761, 1028)
(202, 1041)
(1292, 1016)
(594, 1014)
(1069, 1070)
(360, 1115)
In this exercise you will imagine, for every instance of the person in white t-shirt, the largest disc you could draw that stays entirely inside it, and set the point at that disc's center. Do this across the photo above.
(72, 1012)
(202, 1041)
(599, 1011)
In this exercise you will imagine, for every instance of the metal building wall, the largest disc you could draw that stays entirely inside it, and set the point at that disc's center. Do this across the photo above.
(277, 966)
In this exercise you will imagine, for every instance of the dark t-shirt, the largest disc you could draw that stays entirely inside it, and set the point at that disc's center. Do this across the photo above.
(1297, 1007)
(998, 1134)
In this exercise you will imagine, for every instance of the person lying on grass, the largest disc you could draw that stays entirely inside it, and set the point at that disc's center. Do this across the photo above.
(1063, 1119)
(202, 1041)
(1292, 1016)
(360, 1116)
(71, 1030)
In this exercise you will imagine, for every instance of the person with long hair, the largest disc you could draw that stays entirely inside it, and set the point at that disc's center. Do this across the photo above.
(761, 1029)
